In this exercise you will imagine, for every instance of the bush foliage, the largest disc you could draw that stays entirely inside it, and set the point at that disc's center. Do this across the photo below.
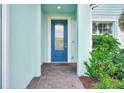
(106, 62)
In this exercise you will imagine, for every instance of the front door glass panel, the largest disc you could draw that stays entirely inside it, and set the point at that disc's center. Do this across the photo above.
(59, 37)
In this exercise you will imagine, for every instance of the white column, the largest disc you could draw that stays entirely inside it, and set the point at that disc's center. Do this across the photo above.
(5, 46)
(84, 36)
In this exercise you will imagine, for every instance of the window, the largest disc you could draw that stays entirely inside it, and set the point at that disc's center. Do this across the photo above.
(59, 37)
(101, 27)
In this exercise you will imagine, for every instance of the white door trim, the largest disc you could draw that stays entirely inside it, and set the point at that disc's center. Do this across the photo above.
(5, 46)
(69, 35)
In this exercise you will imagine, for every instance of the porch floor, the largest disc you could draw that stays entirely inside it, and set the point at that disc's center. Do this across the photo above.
(57, 76)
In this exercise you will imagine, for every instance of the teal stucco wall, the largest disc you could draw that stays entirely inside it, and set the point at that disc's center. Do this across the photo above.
(73, 36)
(43, 39)
(24, 44)
(84, 36)
(0, 46)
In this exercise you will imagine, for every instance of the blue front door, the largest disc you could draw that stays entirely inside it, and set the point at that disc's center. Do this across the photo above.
(59, 45)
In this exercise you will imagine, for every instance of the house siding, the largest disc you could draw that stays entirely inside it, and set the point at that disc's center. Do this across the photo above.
(110, 12)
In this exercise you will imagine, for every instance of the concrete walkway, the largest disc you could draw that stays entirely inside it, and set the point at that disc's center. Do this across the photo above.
(57, 76)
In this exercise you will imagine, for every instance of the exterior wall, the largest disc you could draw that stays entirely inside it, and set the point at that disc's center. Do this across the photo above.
(73, 34)
(0, 46)
(121, 37)
(110, 13)
(117, 33)
(84, 36)
(24, 44)
(42, 37)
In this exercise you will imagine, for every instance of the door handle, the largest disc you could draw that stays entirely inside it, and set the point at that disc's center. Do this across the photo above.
(65, 45)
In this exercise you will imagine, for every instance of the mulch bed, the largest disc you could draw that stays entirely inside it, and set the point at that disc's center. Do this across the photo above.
(88, 82)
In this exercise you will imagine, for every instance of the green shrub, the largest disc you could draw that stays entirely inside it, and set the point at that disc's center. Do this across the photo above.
(104, 46)
(120, 85)
(106, 83)
(118, 60)
(106, 63)
(109, 83)
(106, 41)
(93, 69)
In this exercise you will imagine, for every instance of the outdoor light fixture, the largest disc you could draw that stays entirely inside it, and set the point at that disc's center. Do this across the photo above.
(58, 7)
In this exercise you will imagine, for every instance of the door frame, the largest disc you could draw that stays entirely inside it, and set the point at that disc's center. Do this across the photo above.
(62, 53)
(5, 46)
(69, 35)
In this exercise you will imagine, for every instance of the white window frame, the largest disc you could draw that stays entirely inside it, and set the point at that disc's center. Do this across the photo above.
(114, 28)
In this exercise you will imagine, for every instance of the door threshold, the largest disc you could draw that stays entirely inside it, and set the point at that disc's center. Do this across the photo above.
(59, 62)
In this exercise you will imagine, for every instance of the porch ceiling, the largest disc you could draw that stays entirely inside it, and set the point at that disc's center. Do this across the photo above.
(63, 8)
